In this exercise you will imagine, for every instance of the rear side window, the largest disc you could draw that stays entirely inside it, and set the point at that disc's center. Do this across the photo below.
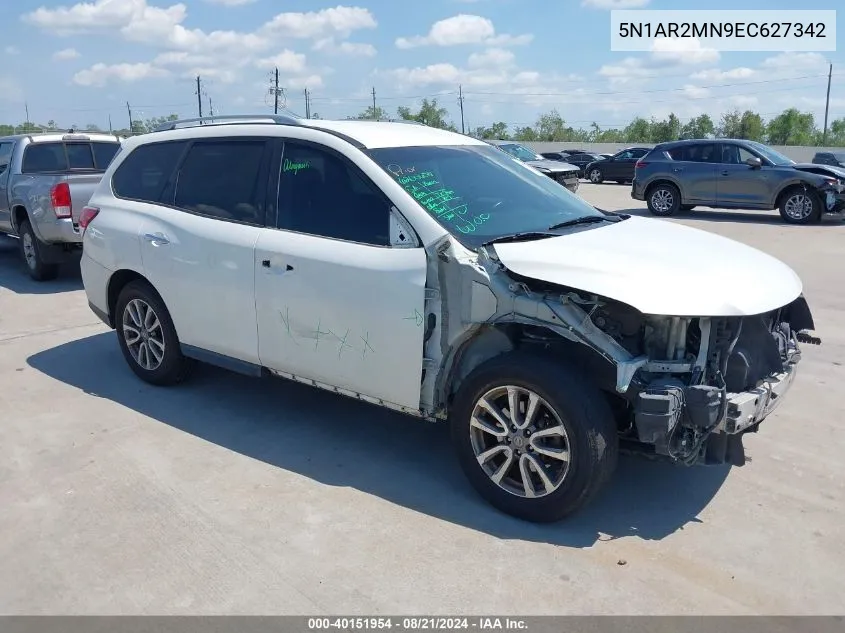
(225, 180)
(5, 155)
(146, 171)
(703, 153)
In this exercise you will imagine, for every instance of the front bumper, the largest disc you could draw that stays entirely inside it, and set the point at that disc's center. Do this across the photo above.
(568, 179)
(747, 409)
(834, 200)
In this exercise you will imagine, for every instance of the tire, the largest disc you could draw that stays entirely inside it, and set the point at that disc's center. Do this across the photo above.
(579, 407)
(663, 200)
(799, 205)
(160, 339)
(32, 256)
(595, 176)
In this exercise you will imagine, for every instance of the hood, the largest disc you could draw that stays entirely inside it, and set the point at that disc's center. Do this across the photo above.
(551, 165)
(659, 268)
(838, 172)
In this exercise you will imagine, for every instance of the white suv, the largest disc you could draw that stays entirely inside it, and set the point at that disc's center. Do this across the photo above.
(428, 272)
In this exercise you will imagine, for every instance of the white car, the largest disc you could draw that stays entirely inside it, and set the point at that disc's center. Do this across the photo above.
(428, 272)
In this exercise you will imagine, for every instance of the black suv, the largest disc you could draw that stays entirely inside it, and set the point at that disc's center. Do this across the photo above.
(618, 167)
(734, 174)
(837, 159)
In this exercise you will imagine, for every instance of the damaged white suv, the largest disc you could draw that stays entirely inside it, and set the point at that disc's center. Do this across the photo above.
(428, 272)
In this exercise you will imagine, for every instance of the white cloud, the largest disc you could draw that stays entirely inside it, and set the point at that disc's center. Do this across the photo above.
(340, 21)
(355, 49)
(300, 83)
(491, 57)
(715, 75)
(683, 51)
(101, 74)
(462, 29)
(665, 53)
(287, 62)
(102, 15)
(695, 92)
(796, 61)
(12, 50)
(615, 4)
(65, 54)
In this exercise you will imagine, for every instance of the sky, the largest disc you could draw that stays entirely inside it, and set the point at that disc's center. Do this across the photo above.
(80, 64)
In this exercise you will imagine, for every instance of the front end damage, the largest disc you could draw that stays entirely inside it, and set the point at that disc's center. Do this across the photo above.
(684, 389)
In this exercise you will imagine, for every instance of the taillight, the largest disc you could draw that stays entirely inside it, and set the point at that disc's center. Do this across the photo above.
(640, 164)
(60, 198)
(88, 214)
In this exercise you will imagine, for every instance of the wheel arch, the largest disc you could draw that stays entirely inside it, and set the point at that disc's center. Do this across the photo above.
(663, 181)
(792, 186)
(19, 214)
(117, 282)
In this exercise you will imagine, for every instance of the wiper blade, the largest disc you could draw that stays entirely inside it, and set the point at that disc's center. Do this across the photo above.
(516, 237)
(587, 219)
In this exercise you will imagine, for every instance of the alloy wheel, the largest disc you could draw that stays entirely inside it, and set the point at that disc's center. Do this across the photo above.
(143, 334)
(595, 176)
(519, 441)
(662, 200)
(798, 206)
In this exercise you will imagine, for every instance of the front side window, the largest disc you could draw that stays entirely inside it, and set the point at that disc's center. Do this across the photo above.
(776, 158)
(735, 154)
(224, 180)
(478, 194)
(321, 193)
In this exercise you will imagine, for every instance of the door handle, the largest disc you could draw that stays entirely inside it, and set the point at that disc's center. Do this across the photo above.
(266, 264)
(678, 169)
(156, 238)
(726, 173)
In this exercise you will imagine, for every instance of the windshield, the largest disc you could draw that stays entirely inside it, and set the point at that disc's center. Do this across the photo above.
(478, 194)
(520, 151)
(767, 152)
(840, 157)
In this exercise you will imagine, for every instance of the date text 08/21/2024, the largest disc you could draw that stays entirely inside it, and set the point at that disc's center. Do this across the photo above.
(417, 623)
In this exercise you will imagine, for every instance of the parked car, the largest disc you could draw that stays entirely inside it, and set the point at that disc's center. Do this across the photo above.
(618, 167)
(45, 181)
(562, 154)
(837, 159)
(735, 174)
(438, 277)
(563, 173)
(582, 160)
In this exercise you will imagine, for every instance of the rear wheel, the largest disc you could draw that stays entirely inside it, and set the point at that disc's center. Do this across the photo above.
(147, 337)
(596, 176)
(38, 269)
(533, 437)
(664, 200)
(801, 206)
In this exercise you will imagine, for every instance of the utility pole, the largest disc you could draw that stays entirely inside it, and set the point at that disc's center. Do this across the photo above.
(199, 96)
(110, 128)
(129, 110)
(461, 102)
(210, 107)
(26, 107)
(307, 105)
(827, 105)
(276, 93)
(375, 110)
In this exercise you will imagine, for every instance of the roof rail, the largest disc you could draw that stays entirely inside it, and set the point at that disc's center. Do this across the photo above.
(276, 119)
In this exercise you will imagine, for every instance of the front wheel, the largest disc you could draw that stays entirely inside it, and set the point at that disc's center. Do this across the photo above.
(37, 268)
(664, 200)
(147, 337)
(801, 206)
(596, 176)
(533, 437)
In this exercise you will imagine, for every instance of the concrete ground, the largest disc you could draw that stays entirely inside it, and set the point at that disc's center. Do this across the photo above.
(240, 496)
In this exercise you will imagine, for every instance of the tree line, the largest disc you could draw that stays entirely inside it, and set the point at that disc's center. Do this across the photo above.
(790, 127)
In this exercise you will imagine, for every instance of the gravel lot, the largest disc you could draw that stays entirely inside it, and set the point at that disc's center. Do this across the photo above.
(236, 495)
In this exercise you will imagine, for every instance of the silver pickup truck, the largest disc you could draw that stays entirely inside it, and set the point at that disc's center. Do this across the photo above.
(45, 181)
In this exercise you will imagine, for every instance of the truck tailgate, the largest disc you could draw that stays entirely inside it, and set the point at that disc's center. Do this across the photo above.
(82, 187)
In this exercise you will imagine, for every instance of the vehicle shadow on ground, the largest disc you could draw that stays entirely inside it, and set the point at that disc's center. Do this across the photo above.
(343, 442)
(736, 217)
(14, 277)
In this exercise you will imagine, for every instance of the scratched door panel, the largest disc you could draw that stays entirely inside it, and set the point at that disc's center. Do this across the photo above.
(341, 313)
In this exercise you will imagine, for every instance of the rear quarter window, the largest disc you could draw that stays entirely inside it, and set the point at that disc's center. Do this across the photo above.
(145, 173)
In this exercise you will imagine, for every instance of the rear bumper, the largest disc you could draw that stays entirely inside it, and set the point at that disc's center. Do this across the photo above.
(637, 190)
(57, 231)
(95, 280)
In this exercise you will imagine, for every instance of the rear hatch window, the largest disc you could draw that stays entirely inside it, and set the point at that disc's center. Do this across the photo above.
(68, 156)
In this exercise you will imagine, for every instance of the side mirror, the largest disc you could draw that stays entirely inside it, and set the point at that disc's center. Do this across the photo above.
(754, 162)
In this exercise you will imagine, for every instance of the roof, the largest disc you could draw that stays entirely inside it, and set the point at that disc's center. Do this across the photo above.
(368, 134)
(58, 135)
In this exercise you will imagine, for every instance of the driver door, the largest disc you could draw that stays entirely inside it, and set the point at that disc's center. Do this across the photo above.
(336, 303)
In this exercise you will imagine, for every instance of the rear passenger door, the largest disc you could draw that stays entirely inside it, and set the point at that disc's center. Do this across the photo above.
(694, 170)
(197, 244)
